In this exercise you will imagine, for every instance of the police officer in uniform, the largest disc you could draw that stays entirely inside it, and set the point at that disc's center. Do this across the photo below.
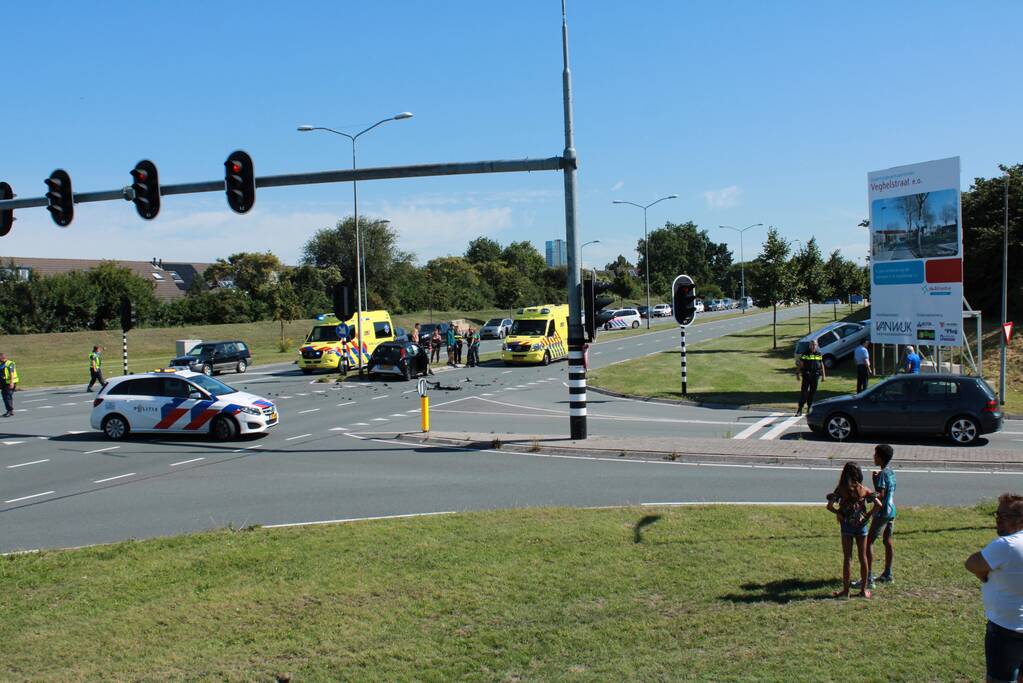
(8, 383)
(96, 368)
(811, 370)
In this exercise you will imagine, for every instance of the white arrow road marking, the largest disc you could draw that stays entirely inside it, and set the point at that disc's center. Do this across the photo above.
(780, 428)
(757, 426)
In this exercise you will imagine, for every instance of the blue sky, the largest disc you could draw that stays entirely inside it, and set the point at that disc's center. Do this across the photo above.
(751, 112)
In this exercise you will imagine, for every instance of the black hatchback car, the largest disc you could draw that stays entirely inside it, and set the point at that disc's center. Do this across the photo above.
(961, 408)
(401, 359)
(213, 357)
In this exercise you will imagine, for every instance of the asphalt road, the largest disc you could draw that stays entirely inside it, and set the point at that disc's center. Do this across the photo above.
(62, 484)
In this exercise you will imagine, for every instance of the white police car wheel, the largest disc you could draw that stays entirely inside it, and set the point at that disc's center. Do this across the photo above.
(635, 324)
(223, 428)
(115, 427)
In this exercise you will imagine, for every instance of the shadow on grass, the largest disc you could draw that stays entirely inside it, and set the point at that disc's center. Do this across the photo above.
(782, 591)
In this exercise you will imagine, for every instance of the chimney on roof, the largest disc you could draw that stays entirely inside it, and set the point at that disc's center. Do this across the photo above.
(153, 261)
(161, 264)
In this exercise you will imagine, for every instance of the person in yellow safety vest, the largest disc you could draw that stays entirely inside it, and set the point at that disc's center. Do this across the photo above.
(8, 383)
(811, 370)
(96, 368)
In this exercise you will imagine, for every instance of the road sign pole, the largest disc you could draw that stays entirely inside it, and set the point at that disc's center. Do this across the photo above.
(124, 350)
(684, 388)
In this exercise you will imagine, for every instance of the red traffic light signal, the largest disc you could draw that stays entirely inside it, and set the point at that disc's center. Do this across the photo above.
(61, 200)
(240, 182)
(6, 215)
(146, 184)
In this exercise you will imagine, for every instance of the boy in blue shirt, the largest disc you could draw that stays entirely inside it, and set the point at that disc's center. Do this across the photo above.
(884, 518)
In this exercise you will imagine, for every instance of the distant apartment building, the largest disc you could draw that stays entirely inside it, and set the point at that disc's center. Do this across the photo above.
(557, 253)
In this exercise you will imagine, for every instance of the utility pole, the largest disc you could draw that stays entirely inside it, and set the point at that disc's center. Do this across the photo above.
(1005, 291)
(576, 336)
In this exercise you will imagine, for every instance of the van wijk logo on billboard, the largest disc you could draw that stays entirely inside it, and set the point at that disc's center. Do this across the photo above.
(893, 326)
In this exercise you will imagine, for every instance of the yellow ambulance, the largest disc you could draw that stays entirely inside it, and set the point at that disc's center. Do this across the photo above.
(539, 334)
(334, 344)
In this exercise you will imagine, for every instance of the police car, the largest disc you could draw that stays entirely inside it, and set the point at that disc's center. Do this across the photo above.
(179, 401)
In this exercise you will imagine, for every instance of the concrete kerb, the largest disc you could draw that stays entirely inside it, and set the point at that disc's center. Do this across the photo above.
(724, 451)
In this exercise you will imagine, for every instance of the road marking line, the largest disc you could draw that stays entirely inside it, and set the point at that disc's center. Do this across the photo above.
(301, 394)
(379, 419)
(284, 397)
(44, 407)
(339, 429)
(300, 436)
(247, 448)
(34, 495)
(780, 428)
(89, 401)
(303, 412)
(506, 372)
(708, 502)
(24, 464)
(377, 398)
(360, 424)
(408, 392)
(12, 443)
(350, 403)
(69, 404)
(358, 519)
(36, 400)
(486, 394)
(185, 462)
(101, 450)
(756, 426)
(397, 415)
(119, 476)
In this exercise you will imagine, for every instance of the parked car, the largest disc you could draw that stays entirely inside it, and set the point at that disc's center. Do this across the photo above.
(700, 308)
(746, 303)
(182, 401)
(604, 315)
(399, 359)
(623, 318)
(833, 300)
(662, 310)
(728, 304)
(643, 311)
(959, 407)
(214, 357)
(496, 328)
(856, 299)
(836, 341)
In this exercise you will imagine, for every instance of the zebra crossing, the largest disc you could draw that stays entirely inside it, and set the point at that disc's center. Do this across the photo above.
(774, 425)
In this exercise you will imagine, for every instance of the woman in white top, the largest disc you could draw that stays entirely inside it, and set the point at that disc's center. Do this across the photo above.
(1000, 567)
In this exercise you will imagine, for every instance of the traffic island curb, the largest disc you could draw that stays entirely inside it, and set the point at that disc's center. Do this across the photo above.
(722, 452)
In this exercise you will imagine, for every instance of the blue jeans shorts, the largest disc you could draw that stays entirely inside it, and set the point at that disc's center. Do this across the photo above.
(853, 530)
(1003, 650)
(878, 525)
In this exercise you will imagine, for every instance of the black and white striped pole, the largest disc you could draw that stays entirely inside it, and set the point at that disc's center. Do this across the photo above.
(683, 307)
(124, 349)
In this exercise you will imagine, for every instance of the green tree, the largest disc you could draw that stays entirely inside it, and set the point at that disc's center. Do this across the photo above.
(771, 279)
(983, 207)
(285, 305)
(456, 285)
(112, 282)
(810, 277)
(677, 249)
(483, 250)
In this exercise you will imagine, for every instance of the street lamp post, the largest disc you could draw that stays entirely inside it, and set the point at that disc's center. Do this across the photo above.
(1005, 291)
(355, 210)
(646, 244)
(742, 260)
(586, 244)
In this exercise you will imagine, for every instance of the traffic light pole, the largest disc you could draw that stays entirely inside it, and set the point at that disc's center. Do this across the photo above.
(124, 350)
(684, 388)
(576, 337)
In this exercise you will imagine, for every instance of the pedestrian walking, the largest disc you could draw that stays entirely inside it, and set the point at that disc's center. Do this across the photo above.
(8, 382)
(96, 368)
(912, 363)
(435, 342)
(451, 343)
(848, 502)
(862, 357)
(999, 566)
(810, 369)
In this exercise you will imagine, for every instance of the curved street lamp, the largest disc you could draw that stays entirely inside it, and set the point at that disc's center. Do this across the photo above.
(646, 244)
(742, 259)
(355, 204)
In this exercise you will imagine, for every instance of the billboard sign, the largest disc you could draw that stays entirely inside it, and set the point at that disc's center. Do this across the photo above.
(916, 254)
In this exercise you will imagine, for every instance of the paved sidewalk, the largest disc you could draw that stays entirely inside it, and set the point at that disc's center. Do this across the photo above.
(795, 452)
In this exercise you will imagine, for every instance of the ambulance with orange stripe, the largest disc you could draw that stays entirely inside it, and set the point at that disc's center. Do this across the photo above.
(539, 334)
(179, 401)
(334, 345)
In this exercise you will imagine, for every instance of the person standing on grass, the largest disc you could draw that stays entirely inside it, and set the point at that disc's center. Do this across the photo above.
(883, 522)
(96, 368)
(911, 365)
(848, 502)
(862, 357)
(8, 383)
(999, 566)
(810, 369)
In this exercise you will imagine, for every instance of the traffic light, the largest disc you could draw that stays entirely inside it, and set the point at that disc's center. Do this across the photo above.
(6, 215)
(129, 317)
(62, 202)
(146, 183)
(342, 299)
(240, 181)
(683, 299)
(594, 299)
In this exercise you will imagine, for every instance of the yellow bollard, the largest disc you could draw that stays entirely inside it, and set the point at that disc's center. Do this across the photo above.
(424, 404)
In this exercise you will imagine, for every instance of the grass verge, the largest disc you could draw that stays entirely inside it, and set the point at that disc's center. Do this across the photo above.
(711, 593)
(740, 368)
